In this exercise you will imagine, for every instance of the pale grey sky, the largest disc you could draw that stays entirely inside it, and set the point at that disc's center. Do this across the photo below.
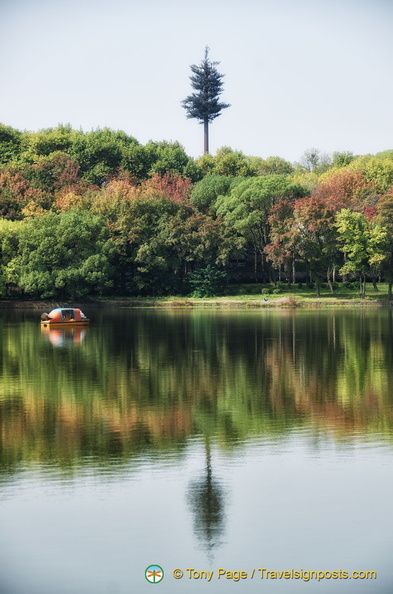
(298, 74)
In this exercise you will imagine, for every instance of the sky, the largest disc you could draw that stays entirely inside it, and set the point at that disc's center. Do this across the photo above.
(299, 74)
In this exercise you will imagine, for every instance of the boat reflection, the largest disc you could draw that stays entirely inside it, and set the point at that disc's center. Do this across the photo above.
(60, 337)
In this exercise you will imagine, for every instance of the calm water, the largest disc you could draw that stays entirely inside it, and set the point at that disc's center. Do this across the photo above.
(193, 439)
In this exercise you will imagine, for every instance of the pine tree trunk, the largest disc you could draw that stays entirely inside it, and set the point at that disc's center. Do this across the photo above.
(206, 136)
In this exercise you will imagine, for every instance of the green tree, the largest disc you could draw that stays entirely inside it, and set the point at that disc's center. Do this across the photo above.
(178, 242)
(47, 141)
(171, 157)
(8, 251)
(204, 104)
(248, 206)
(10, 143)
(315, 238)
(137, 222)
(101, 153)
(342, 159)
(271, 165)
(385, 218)
(377, 170)
(207, 281)
(363, 243)
(232, 163)
(226, 162)
(380, 173)
(62, 256)
(205, 192)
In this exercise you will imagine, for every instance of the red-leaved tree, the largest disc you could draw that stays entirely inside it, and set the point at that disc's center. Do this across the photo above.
(171, 186)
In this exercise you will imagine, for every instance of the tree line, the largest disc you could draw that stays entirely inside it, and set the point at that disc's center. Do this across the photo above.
(97, 213)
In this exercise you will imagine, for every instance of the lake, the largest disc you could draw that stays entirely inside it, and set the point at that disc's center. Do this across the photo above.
(250, 449)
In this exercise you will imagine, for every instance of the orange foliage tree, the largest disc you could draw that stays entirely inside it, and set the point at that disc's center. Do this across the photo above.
(170, 185)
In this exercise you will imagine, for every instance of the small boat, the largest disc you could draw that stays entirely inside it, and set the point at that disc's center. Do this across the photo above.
(64, 316)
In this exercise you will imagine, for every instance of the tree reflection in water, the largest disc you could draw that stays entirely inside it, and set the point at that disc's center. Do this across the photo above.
(206, 500)
(151, 381)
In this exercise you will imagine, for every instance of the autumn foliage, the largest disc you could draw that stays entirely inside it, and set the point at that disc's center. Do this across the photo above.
(171, 186)
(167, 217)
(346, 188)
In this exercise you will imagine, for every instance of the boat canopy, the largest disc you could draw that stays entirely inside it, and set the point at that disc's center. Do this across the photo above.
(63, 314)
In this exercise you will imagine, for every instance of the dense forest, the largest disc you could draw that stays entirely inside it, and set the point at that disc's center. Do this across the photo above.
(98, 213)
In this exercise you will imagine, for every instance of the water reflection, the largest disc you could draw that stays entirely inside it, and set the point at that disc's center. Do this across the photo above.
(100, 442)
(206, 500)
(60, 337)
(142, 381)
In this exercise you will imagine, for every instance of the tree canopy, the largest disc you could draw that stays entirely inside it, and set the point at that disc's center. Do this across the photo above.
(204, 105)
(98, 212)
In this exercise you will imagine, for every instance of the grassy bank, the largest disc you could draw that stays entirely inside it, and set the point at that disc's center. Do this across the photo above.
(250, 295)
(258, 295)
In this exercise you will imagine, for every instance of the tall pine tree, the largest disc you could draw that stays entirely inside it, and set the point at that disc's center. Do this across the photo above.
(204, 105)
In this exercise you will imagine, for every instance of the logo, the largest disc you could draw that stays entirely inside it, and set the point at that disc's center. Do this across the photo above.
(154, 574)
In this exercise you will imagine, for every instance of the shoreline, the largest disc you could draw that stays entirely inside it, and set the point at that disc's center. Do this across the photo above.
(190, 303)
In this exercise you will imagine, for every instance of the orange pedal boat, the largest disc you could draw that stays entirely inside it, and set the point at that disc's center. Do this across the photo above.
(64, 316)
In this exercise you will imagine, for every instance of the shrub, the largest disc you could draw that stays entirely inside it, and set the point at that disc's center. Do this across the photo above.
(350, 285)
(207, 282)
